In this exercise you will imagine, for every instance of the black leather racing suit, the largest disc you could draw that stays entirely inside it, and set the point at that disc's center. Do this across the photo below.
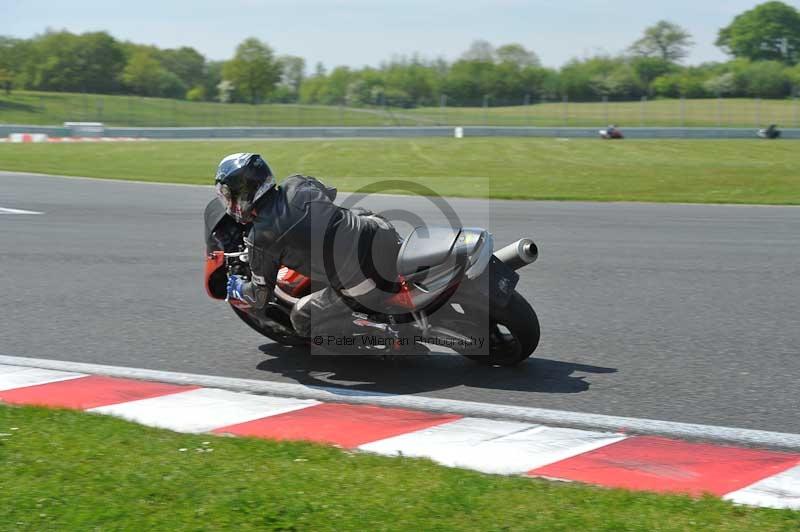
(298, 225)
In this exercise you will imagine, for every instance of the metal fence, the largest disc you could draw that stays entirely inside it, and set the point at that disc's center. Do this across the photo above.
(131, 111)
(644, 112)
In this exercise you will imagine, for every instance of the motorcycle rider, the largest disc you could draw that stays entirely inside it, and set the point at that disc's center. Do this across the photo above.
(772, 132)
(296, 224)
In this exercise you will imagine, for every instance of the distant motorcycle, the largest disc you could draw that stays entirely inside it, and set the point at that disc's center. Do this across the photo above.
(611, 132)
(772, 132)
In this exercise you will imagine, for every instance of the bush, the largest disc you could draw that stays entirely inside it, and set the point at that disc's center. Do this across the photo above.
(682, 84)
(592, 78)
(764, 79)
(170, 85)
(722, 85)
(196, 94)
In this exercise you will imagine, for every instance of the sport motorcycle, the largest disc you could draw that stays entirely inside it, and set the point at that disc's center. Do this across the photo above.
(454, 290)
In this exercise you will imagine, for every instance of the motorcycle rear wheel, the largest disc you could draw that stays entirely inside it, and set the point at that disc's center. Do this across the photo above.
(519, 342)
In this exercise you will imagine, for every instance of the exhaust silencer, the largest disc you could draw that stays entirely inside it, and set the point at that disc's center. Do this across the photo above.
(519, 254)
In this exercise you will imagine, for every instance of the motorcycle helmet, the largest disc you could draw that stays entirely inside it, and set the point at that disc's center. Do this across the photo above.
(243, 178)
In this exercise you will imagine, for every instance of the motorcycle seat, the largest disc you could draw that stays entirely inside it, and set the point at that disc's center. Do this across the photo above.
(425, 248)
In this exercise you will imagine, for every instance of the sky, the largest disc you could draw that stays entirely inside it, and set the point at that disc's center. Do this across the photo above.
(365, 32)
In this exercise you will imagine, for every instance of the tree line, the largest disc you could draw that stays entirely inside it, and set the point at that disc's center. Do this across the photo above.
(764, 45)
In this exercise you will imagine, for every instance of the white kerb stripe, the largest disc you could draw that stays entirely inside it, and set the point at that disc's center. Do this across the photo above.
(447, 443)
(202, 410)
(778, 491)
(490, 446)
(21, 376)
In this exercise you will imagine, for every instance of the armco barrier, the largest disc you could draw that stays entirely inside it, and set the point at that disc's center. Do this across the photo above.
(50, 131)
(400, 132)
(175, 133)
(277, 132)
(630, 132)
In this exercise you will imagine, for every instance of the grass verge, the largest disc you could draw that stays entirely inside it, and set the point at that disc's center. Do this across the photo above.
(54, 108)
(64, 470)
(704, 171)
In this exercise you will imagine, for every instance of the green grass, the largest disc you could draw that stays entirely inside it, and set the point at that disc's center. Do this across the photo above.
(734, 112)
(26, 107)
(725, 171)
(54, 108)
(65, 470)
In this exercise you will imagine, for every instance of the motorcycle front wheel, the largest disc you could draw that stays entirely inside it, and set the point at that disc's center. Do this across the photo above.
(274, 330)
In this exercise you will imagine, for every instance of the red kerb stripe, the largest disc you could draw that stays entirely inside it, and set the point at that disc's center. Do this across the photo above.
(659, 464)
(89, 392)
(345, 425)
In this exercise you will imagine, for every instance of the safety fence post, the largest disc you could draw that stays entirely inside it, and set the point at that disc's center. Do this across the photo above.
(683, 111)
(527, 103)
(384, 108)
(643, 112)
(758, 112)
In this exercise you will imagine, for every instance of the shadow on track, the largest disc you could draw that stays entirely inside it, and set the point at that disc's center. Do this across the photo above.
(409, 374)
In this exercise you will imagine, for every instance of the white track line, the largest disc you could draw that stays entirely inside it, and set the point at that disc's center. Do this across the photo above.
(4, 210)
(559, 418)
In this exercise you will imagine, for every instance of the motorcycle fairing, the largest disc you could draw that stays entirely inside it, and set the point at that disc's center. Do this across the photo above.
(293, 283)
(214, 214)
(221, 231)
(433, 260)
(215, 277)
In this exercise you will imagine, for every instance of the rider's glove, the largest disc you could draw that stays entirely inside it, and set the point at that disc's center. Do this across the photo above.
(236, 287)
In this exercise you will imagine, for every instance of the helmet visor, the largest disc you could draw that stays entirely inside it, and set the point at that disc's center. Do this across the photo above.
(234, 204)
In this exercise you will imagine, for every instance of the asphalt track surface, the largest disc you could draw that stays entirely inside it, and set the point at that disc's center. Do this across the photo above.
(676, 312)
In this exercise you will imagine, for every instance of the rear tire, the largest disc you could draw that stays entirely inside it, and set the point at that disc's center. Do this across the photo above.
(521, 340)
